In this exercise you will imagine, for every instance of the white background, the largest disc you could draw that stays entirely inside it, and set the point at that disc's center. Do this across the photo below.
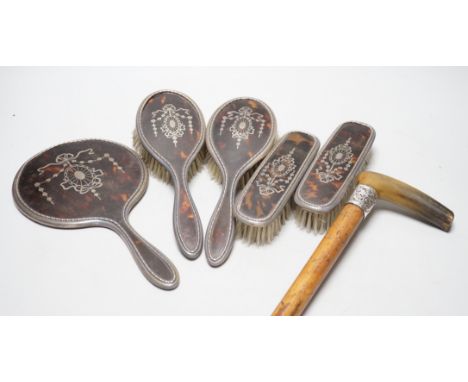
(395, 266)
(244, 32)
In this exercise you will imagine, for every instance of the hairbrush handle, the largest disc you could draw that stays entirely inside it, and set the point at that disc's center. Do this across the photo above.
(156, 267)
(187, 224)
(221, 229)
(320, 263)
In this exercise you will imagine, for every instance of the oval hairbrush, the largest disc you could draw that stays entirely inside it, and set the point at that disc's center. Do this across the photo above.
(91, 183)
(265, 203)
(169, 135)
(240, 134)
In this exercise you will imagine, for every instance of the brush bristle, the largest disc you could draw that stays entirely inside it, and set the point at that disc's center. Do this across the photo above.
(246, 177)
(264, 235)
(319, 222)
(214, 170)
(197, 165)
(217, 176)
(158, 170)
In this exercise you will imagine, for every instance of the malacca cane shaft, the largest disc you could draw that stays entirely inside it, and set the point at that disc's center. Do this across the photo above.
(320, 263)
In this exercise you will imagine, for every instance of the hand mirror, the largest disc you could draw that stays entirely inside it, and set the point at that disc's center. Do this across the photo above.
(91, 183)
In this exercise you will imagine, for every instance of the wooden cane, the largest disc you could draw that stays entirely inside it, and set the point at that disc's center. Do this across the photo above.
(371, 186)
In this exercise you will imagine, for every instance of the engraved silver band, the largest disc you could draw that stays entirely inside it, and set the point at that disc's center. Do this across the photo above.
(364, 197)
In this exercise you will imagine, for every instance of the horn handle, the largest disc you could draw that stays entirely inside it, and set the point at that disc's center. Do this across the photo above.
(320, 263)
(422, 205)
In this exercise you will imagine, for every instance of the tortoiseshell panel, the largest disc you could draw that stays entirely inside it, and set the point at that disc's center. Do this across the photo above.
(275, 181)
(233, 127)
(89, 178)
(170, 127)
(335, 168)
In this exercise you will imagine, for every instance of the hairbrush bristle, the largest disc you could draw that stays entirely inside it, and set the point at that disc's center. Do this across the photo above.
(264, 235)
(245, 178)
(158, 170)
(213, 168)
(197, 165)
(317, 222)
(320, 222)
(217, 176)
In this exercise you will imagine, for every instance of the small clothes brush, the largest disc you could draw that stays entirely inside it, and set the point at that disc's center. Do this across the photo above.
(169, 135)
(239, 135)
(265, 203)
(331, 177)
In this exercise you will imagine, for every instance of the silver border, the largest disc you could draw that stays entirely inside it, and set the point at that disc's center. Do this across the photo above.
(325, 208)
(291, 188)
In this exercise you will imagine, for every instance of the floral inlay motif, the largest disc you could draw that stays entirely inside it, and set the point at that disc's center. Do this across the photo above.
(276, 175)
(243, 123)
(172, 122)
(335, 162)
(76, 174)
